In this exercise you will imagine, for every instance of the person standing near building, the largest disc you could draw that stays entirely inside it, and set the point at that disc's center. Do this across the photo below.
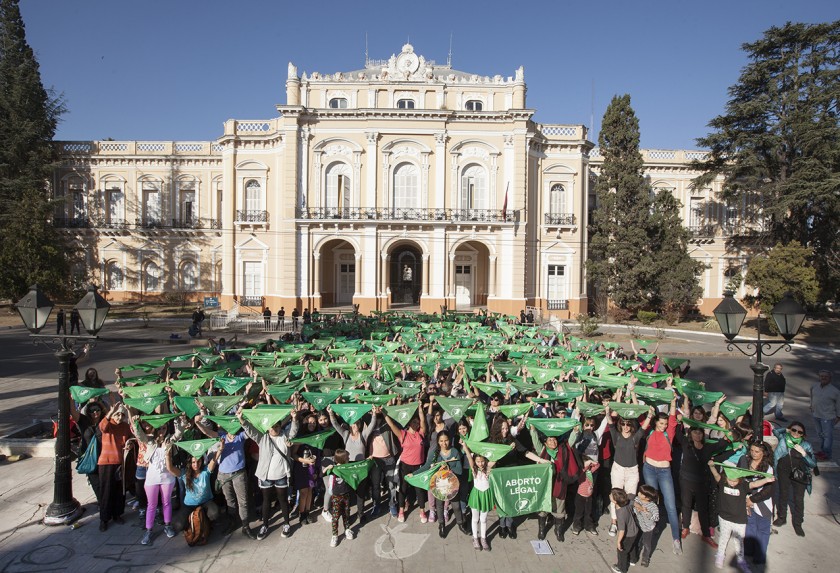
(281, 318)
(267, 318)
(60, 323)
(75, 322)
(825, 408)
(295, 317)
(774, 391)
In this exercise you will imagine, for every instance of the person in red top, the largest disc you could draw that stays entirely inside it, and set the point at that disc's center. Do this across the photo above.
(657, 467)
(115, 433)
(412, 440)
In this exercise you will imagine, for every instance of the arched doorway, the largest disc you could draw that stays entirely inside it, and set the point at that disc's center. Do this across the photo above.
(337, 273)
(405, 275)
(471, 275)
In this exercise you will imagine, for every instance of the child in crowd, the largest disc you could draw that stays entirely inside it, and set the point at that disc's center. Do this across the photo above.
(646, 510)
(627, 529)
(481, 497)
(340, 500)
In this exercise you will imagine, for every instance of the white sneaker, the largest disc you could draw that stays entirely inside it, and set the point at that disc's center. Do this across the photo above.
(327, 517)
(334, 541)
(613, 529)
(285, 531)
(349, 534)
(677, 547)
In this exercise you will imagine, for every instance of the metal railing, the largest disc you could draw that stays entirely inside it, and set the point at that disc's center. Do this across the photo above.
(559, 219)
(252, 216)
(253, 301)
(557, 304)
(72, 222)
(408, 214)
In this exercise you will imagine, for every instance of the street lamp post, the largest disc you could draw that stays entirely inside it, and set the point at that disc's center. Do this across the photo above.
(788, 316)
(34, 309)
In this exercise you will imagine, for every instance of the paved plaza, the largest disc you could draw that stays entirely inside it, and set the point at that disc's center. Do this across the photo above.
(26, 545)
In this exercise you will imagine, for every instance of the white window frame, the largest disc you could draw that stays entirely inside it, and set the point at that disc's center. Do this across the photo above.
(149, 188)
(152, 280)
(473, 193)
(406, 103)
(253, 281)
(338, 186)
(556, 284)
(338, 103)
(557, 199)
(113, 269)
(195, 276)
(252, 199)
(406, 184)
(474, 105)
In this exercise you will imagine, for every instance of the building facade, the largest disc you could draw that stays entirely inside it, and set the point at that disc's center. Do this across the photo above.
(404, 184)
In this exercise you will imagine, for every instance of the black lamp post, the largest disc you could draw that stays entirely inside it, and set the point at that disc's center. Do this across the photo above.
(788, 316)
(34, 309)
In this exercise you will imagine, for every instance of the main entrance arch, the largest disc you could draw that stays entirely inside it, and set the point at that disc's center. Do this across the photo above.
(470, 275)
(405, 274)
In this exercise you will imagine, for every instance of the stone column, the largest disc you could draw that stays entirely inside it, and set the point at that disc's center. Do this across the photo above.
(491, 277)
(451, 276)
(316, 276)
(425, 291)
(358, 276)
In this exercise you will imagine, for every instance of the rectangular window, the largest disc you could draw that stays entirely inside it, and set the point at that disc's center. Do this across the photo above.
(151, 205)
(253, 278)
(187, 206)
(116, 205)
(78, 204)
(556, 282)
(697, 213)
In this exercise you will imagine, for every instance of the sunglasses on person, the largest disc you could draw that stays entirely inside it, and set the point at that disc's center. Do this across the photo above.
(626, 425)
(796, 431)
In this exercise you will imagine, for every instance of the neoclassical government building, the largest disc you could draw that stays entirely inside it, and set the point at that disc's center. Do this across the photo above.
(403, 184)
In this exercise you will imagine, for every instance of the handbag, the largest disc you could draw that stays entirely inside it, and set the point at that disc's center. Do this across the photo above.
(87, 463)
(800, 475)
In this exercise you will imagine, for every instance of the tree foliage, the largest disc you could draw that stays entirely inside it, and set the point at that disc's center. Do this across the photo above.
(638, 246)
(780, 138)
(30, 248)
(785, 268)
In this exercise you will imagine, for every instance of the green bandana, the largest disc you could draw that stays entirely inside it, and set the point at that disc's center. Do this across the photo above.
(551, 453)
(264, 418)
(196, 448)
(316, 440)
(790, 441)
(82, 394)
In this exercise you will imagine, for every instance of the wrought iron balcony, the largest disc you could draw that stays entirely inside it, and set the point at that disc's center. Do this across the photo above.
(112, 223)
(148, 223)
(192, 223)
(560, 219)
(558, 304)
(72, 222)
(408, 214)
(252, 216)
(704, 230)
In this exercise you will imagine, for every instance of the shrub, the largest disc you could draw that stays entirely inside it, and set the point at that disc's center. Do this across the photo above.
(588, 324)
(618, 315)
(646, 317)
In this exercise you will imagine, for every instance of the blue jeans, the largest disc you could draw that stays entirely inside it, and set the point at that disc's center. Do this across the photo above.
(825, 428)
(757, 537)
(775, 400)
(661, 479)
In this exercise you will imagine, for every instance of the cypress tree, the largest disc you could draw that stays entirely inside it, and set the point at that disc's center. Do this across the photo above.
(30, 248)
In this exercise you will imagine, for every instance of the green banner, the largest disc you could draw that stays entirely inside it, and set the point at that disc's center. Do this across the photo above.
(629, 411)
(265, 418)
(82, 394)
(733, 411)
(316, 439)
(146, 405)
(552, 426)
(197, 448)
(320, 400)
(736, 473)
(231, 385)
(143, 391)
(229, 424)
(376, 399)
(520, 490)
(702, 396)
(402, 414)
(351, 412)
(455, 407)
(493, 452)
(187, 387)
(353, 473)
(158, 420)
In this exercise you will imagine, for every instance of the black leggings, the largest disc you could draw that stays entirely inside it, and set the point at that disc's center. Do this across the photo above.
(695, 495)
(406, 488)
(282, 494)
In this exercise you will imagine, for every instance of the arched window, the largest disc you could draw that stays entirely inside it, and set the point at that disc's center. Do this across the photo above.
(338, 194)
(338, 103)
(557, 199)
(189, 276)
(473, 193)
(474, 105)
(114, 277)
(405, 104)
(253, 196)
(151, 278)
(406, 186)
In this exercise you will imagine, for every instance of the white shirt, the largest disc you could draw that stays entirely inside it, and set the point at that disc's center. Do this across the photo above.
(157, 474)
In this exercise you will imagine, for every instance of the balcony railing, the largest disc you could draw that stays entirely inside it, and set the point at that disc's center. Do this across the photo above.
(558, 304)
(705, 230)
(408, 214)
(72, 222)
(112, 223)
(559, 219)
(193, 223)
(252, 216)
(255, 301)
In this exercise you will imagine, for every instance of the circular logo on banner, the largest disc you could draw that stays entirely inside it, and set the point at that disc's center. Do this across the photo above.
(196, 447)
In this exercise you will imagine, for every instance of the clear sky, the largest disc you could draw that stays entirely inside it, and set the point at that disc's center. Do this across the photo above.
(177, 69)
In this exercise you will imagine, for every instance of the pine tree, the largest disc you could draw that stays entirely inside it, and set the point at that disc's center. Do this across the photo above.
(619, 262)
(780, 139)
(30, 248)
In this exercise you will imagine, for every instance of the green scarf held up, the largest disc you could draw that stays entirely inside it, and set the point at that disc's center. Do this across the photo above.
(551, 453)
(790, 441)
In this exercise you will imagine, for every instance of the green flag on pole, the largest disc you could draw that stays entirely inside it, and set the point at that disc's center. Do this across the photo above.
(316, 440)
(82, 394)
(197, 448)
(493, 452)
(552, 426)
(219, 405)
(353, 473)
(265, 418)
(146, 405)
(479, 431)
(229, 424)
(158, 420)
(520, 490)
(455, 407)
(403, 413)
(351, 412)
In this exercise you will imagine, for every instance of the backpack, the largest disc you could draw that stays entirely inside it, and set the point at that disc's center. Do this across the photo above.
(198, 527)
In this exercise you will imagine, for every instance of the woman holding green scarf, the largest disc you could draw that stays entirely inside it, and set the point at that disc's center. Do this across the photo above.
(793, 462)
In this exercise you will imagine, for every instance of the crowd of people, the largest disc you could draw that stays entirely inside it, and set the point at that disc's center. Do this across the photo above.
(413, 415)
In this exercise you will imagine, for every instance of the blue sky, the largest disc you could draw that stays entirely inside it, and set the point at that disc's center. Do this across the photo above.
(177, 69)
